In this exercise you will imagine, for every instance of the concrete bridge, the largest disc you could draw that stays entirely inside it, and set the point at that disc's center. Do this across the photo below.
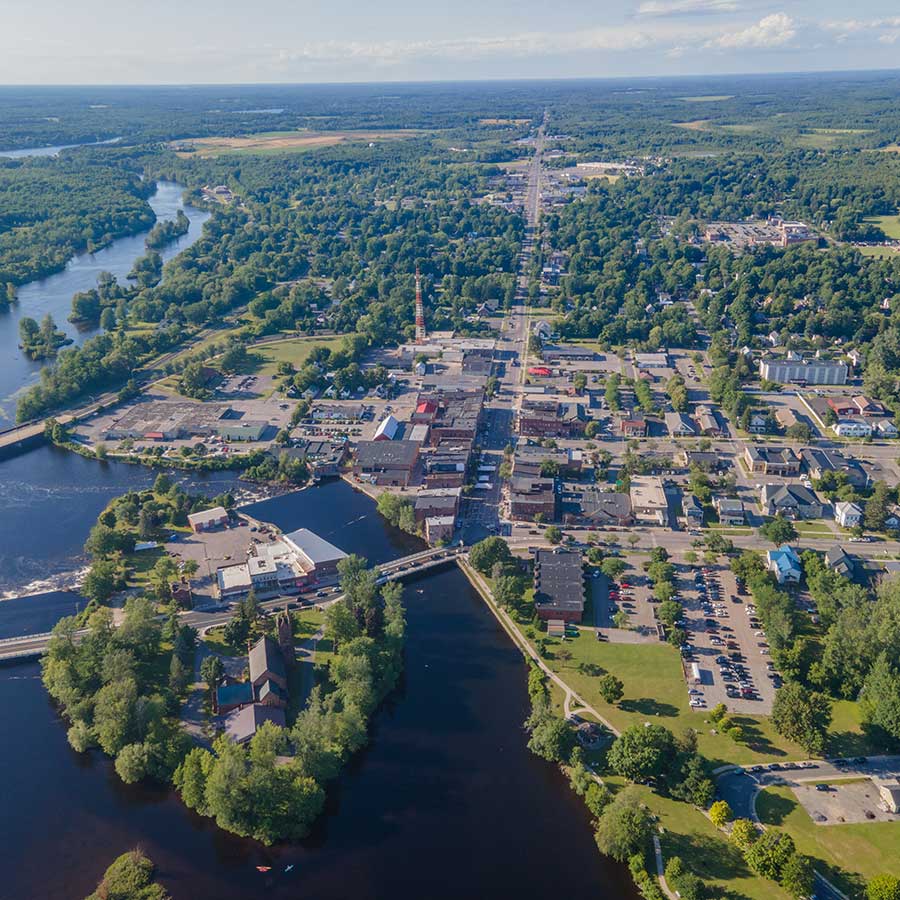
(33, 646)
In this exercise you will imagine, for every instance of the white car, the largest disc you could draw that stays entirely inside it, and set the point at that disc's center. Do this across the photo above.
(759, 634)
(697, 702)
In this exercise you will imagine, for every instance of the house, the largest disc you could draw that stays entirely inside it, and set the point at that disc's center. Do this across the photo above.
(847, 515)
(208, 519)
(648, 500)
(772, 460)
(784, 564)
(530, 497)
(892, 522)
(731, 512)
(559, 585)
(679, 425)
(704, 460)
(842, 406)
(386, 462)
(542, 329)
(839, 561)
(793, 501)
(693, 509)
(884, 428)
(758, 423)
(867, 407)
(243, 723)
(852, 428)
(708, 422)
(633, 424)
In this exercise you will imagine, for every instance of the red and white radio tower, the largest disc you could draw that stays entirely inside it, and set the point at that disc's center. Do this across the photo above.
(420, 311)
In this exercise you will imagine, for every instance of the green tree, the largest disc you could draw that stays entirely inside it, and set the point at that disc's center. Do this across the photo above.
(779, 530)
(642, 752)
(612, 567)
(743, 833)
(485, 554)
(883, 887)
(212, 671)
(802, 716)
(130, 877)
(797, 876)
(769, 853)
(553, 534)
(624, 826)
(133, 762)
(101, 581)
(611, 688)
(720, 813)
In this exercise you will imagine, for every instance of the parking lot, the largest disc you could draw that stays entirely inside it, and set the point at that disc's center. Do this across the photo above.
(631, 595)
(840, 804)
(726, 646)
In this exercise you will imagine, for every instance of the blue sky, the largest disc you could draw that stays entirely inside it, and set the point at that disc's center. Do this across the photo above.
(178, 41)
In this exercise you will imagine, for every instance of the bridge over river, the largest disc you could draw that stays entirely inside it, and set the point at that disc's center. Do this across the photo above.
(32, 646)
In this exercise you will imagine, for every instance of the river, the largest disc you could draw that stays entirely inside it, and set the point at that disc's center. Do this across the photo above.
(445, 802)
(53, 294)
(52, 151)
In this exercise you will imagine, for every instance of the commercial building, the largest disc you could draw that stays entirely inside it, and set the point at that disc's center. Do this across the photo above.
(439, 528)
(680, 425)
(530, 497)
(386, 462)
(772, 460)
(537, 461)
(648, 500)
(573, 352)
(439, 502)
(596, 508)
(241, 429)
(817, 371)
(559, 585)
(547, 418)
(633, 424)
(445, 468)
(853, 428)
(207, 519)
(387, 429)
(317, 557)
(819, 461)
(793, 501)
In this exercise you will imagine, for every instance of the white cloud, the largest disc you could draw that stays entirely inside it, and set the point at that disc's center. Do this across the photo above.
(774, 30)
(664, 8)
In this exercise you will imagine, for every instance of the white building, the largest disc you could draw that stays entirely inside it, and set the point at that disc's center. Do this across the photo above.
(847, 515)
(648, 500)
(852, 428)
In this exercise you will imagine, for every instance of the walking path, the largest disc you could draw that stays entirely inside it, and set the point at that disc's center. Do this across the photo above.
(661, 871)
(521, 641)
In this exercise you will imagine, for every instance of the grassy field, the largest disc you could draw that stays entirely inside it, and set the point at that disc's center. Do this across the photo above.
(890, 225)
(695, 125)
(707, 852)
(270, 142)
(708, 98)
(848, 853)
(292, 350)
(655, 690)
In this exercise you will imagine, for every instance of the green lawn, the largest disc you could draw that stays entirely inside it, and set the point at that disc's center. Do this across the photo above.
(848, 853)
(707, 852)
(138, 565)
(293, 350)
(890, 225)
(813, 528)
(655, 689)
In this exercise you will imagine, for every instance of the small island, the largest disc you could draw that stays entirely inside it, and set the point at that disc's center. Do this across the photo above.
(41, 341)
(164, 233)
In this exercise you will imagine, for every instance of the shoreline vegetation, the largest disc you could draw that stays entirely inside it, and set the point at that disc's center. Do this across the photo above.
(121, 687)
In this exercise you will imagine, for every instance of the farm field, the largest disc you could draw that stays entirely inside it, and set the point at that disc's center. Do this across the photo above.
(282, 141)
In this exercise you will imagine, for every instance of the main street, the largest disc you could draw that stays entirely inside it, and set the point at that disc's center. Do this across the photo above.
(481, 512)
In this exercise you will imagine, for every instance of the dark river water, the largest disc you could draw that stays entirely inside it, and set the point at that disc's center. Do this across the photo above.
(445, 802)
(54, 294)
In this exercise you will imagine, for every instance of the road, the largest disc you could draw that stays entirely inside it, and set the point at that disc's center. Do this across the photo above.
(481, 510)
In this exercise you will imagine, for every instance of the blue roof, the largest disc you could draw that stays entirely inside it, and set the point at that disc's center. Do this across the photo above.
(785, 558)
(230, 694)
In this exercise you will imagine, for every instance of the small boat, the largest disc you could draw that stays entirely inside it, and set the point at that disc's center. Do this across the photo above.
(288, 868)
(263, 868)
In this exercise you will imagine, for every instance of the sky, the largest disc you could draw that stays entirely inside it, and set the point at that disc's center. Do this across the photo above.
(292, 41)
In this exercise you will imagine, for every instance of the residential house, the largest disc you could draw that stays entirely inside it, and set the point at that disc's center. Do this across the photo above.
(708, 422)
(704, 460)
(839, 561)
(758, 423)
(884, 428)
(731, 512)
(680, 425)
(852, 428)
(243, 723)
(633, 424)
(793, 501)
(559, 585)
(784, 564)
(847, 515)
(693, 509)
